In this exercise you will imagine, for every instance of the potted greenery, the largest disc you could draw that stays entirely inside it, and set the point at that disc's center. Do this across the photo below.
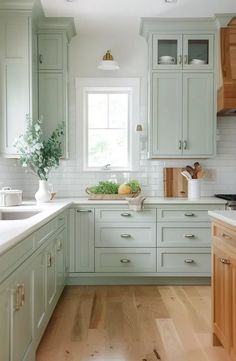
(39, 155)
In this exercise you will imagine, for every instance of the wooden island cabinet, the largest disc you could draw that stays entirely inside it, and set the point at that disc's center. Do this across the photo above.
(224, 286)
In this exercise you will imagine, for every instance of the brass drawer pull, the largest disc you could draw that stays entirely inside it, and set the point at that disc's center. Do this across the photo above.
(22, 298)
(18, 298)
(225, 235)
(189, 214)
(125, 214)
(40, 59)
(180, 144)
(83, 210)
(185, 144)
(225, 260)
(189, 260)
(125, 260)
(125, 235)
(61, 218)
(189, 235)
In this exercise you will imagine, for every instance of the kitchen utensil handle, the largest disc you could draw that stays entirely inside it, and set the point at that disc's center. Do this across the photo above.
(180, 144)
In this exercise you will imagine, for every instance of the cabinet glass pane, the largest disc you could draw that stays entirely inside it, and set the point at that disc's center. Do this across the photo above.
(167, 51)
(198, 51)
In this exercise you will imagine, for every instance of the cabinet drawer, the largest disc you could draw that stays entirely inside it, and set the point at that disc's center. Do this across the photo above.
(45, 232)
(186, 215)
(125, 260)
(185, 260)
(183, 235)
(140, 235)
(15, 256)
(61, 220)
(228, 236)
(125, 215)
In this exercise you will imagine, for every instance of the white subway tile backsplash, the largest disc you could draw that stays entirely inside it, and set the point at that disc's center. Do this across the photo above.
(70, 181)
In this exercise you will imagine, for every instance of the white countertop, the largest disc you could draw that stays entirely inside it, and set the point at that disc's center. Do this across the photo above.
(224, 216)
(13, 231)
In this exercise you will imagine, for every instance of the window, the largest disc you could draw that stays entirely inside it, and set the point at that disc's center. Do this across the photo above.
(107, 109)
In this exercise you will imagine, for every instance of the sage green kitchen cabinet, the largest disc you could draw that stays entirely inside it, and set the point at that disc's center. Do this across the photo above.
(182, 106)
(60, 261)
(15, 78)
(81, 240)
(51, 272)
(50, 51)
(21, 314)
(4, 322)
(51, 101)
(188, 51)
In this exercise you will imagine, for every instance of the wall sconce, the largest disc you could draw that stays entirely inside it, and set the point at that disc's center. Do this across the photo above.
(108, 62)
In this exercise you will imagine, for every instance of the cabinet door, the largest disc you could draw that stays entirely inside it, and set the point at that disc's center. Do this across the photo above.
(50, 51)
(166, 115)
(198, 51)
(60, 261)
(51, 101)
(84, 240)
(40, 306)
(221, 297)
(15, 88)
(51, 272)
(198, 114)
(4, 323)
(167, 52)
(21, 314)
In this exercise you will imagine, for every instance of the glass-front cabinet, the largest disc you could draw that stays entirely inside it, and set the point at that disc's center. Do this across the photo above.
(182, 51)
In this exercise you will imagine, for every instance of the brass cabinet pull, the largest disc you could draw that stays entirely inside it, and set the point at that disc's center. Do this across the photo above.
(189, 214)
(40, 59)
(83, 210)
(59, 245)
(61, 218)
(189, 260)
(125, 214)
(225, 260)
(185, 59)
(125, 235)
(185, 144)
(189, 235)
(125, 260)
(18, 298)
(49, 260)
(22, 293)
(225, 235)
(180, 145)
(180, 59)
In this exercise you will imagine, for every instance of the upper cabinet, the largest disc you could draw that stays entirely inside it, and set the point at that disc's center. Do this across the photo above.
(33, 70)
(193, 51)
(181, 87)
(15, 78)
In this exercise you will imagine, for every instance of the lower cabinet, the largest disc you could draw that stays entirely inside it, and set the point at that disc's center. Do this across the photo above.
(16, 315)
(29, 295)
(224, 286)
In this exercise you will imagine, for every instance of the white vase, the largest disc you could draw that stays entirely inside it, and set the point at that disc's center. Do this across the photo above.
(43, 195)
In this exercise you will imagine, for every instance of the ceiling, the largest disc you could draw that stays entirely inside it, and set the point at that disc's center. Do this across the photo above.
(102, 16)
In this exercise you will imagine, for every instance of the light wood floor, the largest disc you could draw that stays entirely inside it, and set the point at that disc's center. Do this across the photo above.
(131, 323)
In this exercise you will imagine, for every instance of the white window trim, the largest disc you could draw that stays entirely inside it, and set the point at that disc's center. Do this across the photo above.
(84, 85)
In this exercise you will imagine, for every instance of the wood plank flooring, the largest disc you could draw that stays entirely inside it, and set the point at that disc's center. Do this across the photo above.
(131, 323)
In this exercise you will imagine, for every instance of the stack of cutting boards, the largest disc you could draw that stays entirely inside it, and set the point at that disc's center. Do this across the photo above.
(175, 185)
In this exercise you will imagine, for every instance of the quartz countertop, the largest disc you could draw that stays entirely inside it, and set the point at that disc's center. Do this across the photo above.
(13, 231)
(224, 216)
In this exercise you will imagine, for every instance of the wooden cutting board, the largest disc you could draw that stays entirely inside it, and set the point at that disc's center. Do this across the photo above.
(175, 185)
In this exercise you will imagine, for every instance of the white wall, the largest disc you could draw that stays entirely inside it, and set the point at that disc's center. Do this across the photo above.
(69, 180)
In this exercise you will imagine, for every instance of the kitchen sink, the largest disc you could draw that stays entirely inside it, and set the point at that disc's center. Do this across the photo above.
(16, 215)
